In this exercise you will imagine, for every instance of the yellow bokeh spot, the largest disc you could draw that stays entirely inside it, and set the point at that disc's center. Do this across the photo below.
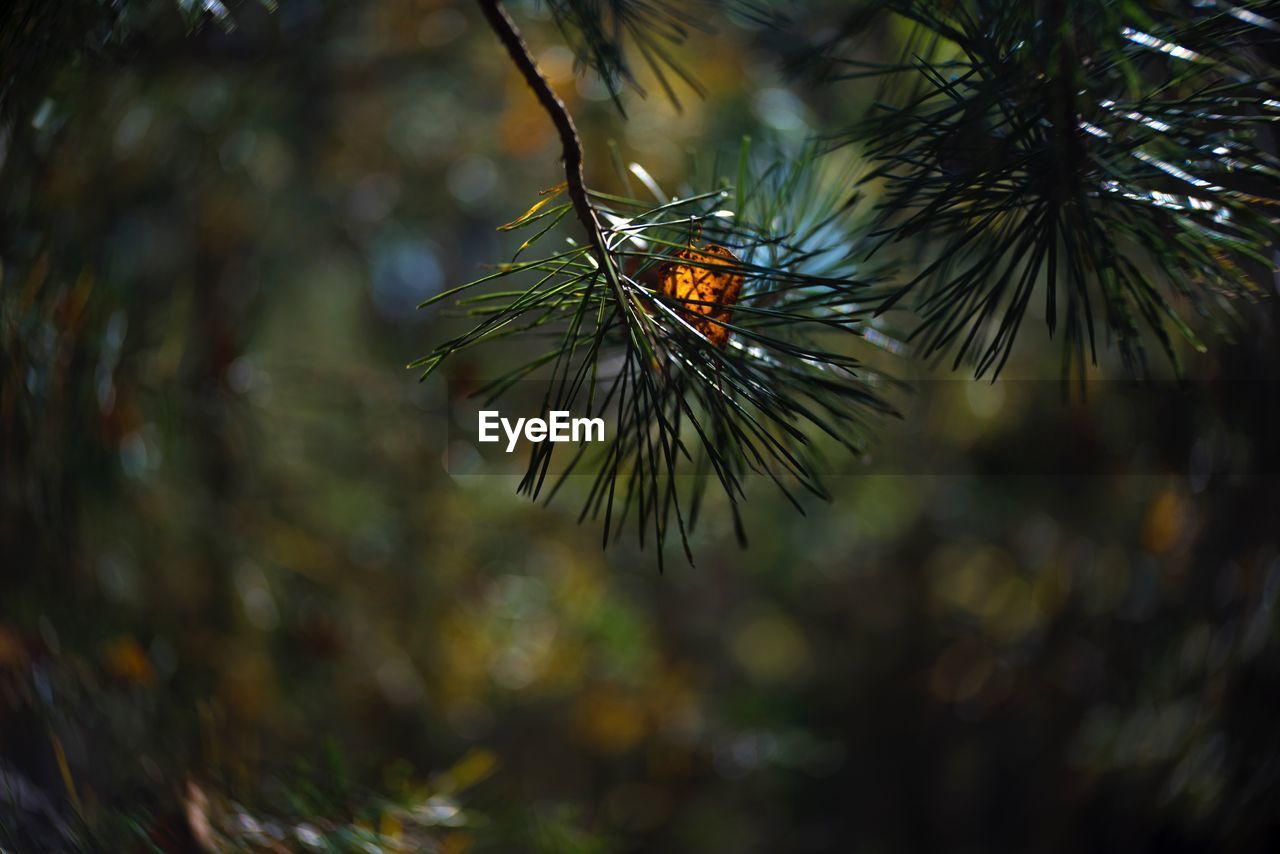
(125, 659)
(610, 720)
(1165, 519)
(770, 647)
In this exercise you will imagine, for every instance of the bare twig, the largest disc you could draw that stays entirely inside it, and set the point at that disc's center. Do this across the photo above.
(505, 28)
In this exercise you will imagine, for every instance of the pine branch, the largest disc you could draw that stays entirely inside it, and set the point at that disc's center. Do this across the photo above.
(721, 360)
(1102, 156)
(715, 384)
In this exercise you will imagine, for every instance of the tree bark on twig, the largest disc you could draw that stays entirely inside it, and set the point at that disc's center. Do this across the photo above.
(571, 144)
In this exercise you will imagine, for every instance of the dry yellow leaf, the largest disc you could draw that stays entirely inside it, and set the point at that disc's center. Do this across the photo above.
(694, 277)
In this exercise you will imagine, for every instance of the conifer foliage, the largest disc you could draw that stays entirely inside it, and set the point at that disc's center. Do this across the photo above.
(1109, 159)
(1114, 153)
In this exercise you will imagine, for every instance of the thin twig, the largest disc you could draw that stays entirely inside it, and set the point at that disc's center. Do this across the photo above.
(505, 28)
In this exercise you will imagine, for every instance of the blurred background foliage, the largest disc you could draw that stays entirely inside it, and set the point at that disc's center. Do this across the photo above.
(246, 604)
